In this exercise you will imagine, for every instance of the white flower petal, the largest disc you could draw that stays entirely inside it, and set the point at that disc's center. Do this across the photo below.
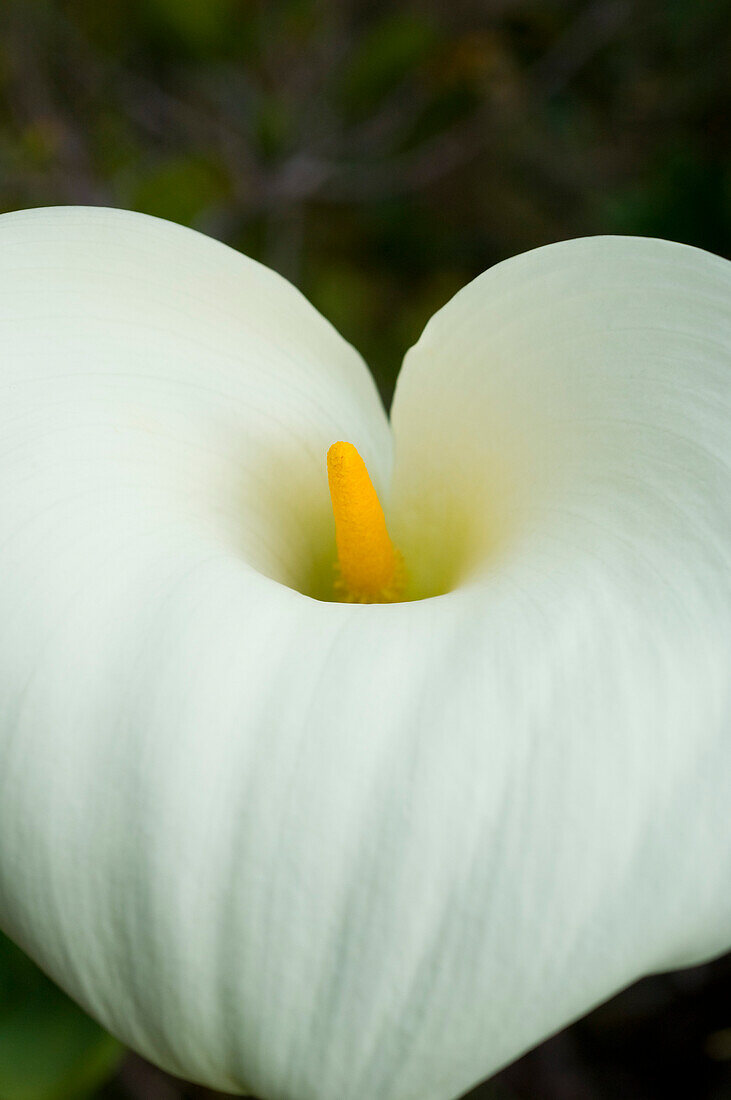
(568, 414)
(333, 851)
(148, 358)
(578, 370)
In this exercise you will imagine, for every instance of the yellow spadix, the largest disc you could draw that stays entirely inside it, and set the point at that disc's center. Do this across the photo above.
(370, 569)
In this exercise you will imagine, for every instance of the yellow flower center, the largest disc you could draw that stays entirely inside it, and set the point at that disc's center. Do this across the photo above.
(370, 569)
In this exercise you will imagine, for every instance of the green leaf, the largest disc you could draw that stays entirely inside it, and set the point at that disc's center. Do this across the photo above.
(49, 1048)
(181, 189)
(387, 53)
(199, 26)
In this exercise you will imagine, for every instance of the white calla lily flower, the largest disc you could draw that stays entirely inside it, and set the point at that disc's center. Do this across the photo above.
(320, 850)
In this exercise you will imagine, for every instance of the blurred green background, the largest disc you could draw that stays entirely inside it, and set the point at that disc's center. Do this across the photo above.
(380, 155)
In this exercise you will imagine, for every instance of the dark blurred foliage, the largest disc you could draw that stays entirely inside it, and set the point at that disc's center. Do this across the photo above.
(380, 155)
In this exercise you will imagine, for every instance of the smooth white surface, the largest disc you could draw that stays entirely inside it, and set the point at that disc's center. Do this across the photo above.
(336, 852)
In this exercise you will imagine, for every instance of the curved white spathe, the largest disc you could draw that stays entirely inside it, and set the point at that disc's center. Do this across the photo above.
(334, 852)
